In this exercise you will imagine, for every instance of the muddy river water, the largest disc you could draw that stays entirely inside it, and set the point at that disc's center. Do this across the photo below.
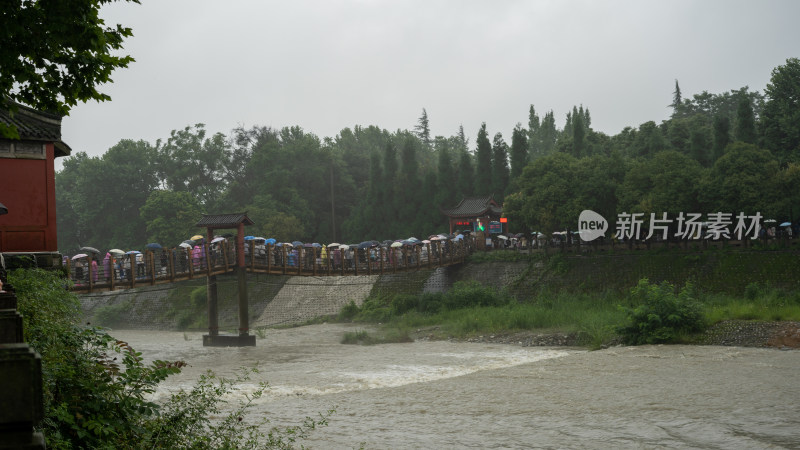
(439, 394)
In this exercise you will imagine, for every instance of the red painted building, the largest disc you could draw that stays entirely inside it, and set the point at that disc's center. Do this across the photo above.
(27, 181)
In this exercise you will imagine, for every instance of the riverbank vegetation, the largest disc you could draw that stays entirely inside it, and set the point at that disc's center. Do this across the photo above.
(98, 390)
(581, 296)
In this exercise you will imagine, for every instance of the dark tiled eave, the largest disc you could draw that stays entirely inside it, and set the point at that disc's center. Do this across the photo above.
(224, 220)
(33, 125)
(474, 207)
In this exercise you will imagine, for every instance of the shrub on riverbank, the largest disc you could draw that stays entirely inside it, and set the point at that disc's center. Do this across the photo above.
(660, 315)
(647, 313)
(97, 389)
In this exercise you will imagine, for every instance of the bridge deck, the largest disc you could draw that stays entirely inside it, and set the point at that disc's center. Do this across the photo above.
(152, 269)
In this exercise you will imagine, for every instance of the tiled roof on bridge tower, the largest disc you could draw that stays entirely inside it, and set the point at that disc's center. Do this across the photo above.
(224, 220)
(475, 207)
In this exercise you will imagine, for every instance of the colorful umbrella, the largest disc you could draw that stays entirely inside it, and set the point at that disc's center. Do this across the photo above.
(196, 237)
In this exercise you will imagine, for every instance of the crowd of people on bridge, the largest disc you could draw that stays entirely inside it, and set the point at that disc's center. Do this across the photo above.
(195, 255)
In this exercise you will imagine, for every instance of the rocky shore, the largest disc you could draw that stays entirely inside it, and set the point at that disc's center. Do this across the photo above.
(734, 333)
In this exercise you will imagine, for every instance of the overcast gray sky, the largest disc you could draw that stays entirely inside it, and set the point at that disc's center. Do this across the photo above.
(326, 65)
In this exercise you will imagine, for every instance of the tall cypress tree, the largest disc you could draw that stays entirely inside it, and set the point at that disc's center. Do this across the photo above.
(548, 133)
(499, 167)
(463, 139)
(423, 130)
(676, 100)
(519, 151)
(445, 180)
(578, 134)
(745, 121)
(466, 176)
(483, 166)
(534, 143)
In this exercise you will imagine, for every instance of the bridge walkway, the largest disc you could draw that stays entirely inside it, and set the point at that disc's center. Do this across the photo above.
(174, 265)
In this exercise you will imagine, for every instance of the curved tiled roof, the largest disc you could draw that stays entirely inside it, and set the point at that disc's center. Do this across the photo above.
(224, 220)
(474, 207)
(33, 125)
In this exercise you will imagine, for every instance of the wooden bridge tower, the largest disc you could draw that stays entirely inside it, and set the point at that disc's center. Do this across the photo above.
(213, 338)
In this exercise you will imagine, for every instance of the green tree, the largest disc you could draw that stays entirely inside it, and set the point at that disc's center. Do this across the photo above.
(466, 175)
(722, 136)
(56, 54)
(483, 163)
(170, 217)
(446, 188)
(189, 162)
(699, 138)
(677, 101)
(679, 135)
(423, 130)
(548, 134)
(534, 140)
(546, 199)
(669, 182)
(578, 134)
(780, 120)
(741, 181)
(106, 194)
(519, 151)
(649, 140)
(745, 121)
(499, 167)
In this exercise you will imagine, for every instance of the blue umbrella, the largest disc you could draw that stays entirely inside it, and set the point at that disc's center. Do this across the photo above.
(133, 252)
(297, 243)
(270, 241)
(365, 244)
(249, 238)
(786, 224)
(153, 246)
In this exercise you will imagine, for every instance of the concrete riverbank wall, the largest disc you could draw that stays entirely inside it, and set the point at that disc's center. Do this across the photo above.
(286, 300)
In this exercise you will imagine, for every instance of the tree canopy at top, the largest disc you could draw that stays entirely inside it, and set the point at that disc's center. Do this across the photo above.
(54, 54)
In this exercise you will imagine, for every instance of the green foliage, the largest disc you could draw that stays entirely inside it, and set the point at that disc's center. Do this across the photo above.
(199, 296)
(170, 216)
(54, 71)
(98, 390)
(465, 294)
(361, 337)
(348, 312)
(658, 315)
(781, 118)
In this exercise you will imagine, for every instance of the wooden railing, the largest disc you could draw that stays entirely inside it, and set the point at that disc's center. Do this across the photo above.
(171, 265)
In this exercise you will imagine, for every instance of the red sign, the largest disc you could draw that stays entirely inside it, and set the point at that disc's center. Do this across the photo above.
(504, 220)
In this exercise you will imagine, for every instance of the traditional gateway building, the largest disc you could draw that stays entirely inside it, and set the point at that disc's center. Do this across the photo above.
(27, 184)
(474, 213)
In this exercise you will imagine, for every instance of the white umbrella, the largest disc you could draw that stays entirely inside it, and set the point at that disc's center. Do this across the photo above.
(396, 244)
(80, 255)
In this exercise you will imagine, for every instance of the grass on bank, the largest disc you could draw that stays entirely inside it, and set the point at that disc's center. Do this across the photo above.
(647, 313)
